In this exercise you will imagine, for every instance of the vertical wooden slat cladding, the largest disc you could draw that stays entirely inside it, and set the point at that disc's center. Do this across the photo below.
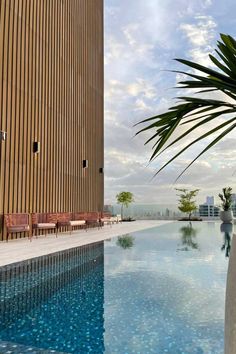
(51, 91)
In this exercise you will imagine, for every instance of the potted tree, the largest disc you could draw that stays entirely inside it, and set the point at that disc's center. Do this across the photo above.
(226, 215)
(187, 203)
(124, 198)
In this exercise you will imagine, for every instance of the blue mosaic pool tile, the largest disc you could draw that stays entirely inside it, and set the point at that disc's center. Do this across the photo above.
(162, 294)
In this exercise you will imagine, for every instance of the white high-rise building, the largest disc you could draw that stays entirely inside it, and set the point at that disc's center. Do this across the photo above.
(210, 200)
(208, 209)
(234, 198)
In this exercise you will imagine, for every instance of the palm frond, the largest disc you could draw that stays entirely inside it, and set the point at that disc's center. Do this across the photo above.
(198, 111)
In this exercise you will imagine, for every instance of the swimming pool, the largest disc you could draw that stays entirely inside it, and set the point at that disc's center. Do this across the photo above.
(160, 290)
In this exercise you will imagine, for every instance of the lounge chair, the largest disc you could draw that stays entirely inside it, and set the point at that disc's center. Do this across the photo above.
(44, 221)
(93, 219)
(64, 220)
(78, 220)
(118, 218)
(107, 219)
(16, 223)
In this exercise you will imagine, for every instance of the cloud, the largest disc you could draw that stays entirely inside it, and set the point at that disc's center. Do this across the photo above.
(114, 50)
(201, 33)
(140, 49)
(142, 86)
(141, 38)
(201, 36)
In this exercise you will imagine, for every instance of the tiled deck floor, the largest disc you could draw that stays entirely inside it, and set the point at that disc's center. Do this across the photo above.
(22, 249)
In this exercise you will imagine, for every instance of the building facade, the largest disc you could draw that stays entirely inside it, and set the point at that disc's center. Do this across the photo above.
(210, 200)
(234, 209)
(208, 211)
(51, 106)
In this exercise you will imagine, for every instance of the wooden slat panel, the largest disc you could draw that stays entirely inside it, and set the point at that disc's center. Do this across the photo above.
(51, 91)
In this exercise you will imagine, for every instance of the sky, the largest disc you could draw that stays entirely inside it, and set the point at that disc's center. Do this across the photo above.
(142, 37)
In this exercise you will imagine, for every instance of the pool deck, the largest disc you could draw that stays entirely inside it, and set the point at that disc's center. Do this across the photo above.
(22, 249)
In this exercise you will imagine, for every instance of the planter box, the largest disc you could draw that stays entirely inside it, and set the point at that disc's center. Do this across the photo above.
(187, 219)
(127, 220)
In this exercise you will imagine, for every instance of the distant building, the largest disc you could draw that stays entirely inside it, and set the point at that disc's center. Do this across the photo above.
(234, 209)
(210, 200)
(167, 213)
(234, 198)
(108, 208)
(206, 210)
(234, 203)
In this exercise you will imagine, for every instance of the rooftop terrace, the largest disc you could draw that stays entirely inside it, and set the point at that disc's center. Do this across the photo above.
(22, 249)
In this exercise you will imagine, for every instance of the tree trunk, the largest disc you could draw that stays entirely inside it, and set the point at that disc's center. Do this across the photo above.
(189, 216)
(122, 207)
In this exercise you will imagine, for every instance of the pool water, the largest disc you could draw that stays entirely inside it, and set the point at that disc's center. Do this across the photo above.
(161, 290)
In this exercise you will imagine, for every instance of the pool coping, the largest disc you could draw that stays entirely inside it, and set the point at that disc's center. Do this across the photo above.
(20, 250)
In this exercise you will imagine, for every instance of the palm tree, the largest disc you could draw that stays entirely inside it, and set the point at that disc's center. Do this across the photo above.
(198, 111)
